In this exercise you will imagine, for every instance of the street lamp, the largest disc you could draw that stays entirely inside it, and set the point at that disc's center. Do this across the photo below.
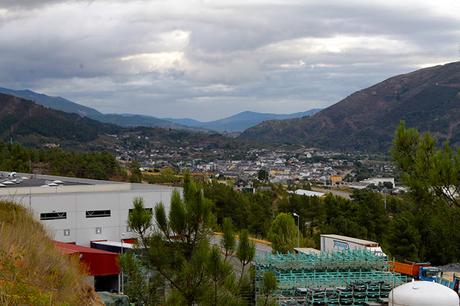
(298, 228)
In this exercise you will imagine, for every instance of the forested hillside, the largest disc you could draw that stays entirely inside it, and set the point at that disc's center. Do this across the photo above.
(31, 123)
(124, 120)
(96, 165)
(427, 99)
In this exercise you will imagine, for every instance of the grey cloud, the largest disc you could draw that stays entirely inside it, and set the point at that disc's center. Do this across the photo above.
(235, 57)
(18, 4)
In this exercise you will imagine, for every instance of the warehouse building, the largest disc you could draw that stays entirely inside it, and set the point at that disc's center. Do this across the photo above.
(84, 217)
(81, 210)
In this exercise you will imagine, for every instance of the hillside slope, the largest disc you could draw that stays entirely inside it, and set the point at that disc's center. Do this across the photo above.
(56, 103)
(61, 104)
(235, 123)
(34, 125)
(427, 99)
(29, 122)
(32, 270)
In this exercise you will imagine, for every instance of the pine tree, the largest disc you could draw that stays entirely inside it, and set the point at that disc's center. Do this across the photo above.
(269, 284)
(177, 248)
(431, 173)
(245, 252)
(228, 241)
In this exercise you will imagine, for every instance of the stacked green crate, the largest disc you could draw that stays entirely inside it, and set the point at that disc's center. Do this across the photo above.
(329, 271)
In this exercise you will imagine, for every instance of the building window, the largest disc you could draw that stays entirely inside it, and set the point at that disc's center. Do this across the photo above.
(53, 216)
(98, 230)
(97, 213)
(67, 232)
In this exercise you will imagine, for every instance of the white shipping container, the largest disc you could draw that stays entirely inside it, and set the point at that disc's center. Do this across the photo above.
(338, 243)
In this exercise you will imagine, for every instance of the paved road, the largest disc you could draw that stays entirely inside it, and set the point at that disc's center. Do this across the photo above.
(261, 248)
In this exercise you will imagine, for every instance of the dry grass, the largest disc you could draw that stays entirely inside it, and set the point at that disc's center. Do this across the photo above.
(32, 270)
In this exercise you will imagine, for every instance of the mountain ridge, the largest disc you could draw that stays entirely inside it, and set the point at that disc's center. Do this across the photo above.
(427, 99)
(65, 105)
(235, 123)
(241, 121)
(53, 102)
(34, 125)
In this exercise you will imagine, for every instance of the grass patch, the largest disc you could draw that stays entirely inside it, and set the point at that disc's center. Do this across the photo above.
(32, 270)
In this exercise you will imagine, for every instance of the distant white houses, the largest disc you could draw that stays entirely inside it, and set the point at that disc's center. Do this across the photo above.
(304, 175)
(357, 185)
(280, 161)
(308, 193)
(379, 181)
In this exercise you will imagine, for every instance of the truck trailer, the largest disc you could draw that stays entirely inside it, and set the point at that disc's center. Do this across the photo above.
(425, 272)
(418, 270)
(421, 271)
(337, 243)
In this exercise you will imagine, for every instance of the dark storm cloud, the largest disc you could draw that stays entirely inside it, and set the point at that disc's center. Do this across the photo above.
(212, 58)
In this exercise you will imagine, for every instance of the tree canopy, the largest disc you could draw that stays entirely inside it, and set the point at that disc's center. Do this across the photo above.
(432, 174)
(283, 233)
(94, 165)
(175, 248)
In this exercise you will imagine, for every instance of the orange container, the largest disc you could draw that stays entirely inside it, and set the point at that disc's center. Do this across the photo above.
(411, 269)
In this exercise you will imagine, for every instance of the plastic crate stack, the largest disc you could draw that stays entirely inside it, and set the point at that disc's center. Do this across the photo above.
(328, 277)
(353, 294)
(346, 260)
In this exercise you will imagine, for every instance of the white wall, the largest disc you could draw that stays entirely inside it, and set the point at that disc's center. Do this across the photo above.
(379, 180)
(82, 229)
(336, 245)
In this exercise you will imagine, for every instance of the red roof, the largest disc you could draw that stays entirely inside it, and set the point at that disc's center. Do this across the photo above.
(98, 262)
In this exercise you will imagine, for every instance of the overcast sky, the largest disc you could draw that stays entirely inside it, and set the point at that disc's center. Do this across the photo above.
(210, 59)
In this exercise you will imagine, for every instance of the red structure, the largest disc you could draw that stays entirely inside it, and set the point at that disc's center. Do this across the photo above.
(97, 262)
(130, 240)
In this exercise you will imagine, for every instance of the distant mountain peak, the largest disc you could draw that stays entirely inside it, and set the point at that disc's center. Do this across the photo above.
(241, 121)
(235, 123)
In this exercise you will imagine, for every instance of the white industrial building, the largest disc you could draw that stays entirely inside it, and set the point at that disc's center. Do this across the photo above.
(379, 181)
(309, 193)
(81, 210)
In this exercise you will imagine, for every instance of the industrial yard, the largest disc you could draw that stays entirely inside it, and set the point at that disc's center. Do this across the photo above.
(352, 277)
(349, 271)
